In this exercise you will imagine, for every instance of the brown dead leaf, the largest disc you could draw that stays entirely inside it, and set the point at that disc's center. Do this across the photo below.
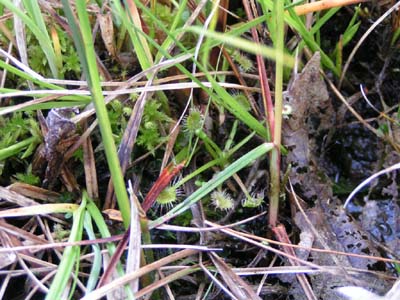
(113, 214)
(34, 192)
(107, 32)
(59, 135)
(90, 167)
(16, 198)
(329, 226)
(312, 117)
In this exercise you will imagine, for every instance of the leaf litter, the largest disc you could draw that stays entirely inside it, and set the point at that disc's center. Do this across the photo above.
(326, 225)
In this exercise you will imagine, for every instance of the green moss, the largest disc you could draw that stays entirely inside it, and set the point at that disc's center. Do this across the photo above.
(150, 130)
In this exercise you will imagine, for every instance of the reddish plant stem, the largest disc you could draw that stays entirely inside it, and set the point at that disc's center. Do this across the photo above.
(281, 235)
(270, 117)
(265, 90)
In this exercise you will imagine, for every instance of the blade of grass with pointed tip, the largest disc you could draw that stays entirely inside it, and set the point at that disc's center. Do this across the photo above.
(308, 38)
(17, 148)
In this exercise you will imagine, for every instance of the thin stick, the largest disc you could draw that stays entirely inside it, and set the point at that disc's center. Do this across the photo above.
(322, 5)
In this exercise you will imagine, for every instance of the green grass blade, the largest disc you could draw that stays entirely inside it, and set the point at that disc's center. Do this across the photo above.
(33, 10)
(97, 258)
(70, 256)
(235, 167)
(85, 47)
(138, 40)
(43, 40)
(26, 76)
(215, 162)
(177, 20)
(221, 96)
(104, 232)
(18, 147)
(308, 38)
(76, 36)
(243, 44)
(226, 100)
(297, 23)
(325, 18)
